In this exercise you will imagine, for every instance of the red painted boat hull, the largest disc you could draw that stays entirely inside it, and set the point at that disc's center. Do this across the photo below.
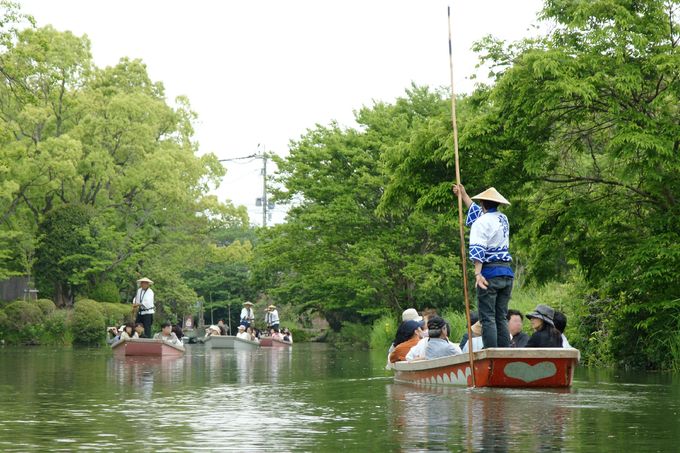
(280, 343)
(501, 367)
(146, 347)
(266, 341)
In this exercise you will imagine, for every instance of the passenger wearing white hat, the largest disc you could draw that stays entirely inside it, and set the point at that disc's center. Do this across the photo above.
(144, 301)
(410, 314)
(242, 333)
(490, 253)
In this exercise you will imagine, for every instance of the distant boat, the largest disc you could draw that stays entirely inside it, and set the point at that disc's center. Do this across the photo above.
(280, 343)
(274, 342)
(146, 347)
(495, 367)
(241, 344)
(220, 341)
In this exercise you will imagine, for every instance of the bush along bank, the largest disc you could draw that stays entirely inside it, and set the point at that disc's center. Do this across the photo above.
(41, 323)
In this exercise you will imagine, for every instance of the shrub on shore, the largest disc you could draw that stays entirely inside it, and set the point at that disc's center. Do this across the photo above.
(3, 325)
(24, 322)
(57, 331)
(115, 314)
(88, 326)
(46, 306)
(383, 332)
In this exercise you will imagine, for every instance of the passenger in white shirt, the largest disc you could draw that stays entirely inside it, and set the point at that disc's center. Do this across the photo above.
(477, 341)
(560, 321)
(242, 333)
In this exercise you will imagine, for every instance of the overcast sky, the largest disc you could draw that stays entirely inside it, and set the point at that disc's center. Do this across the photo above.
(262, 72)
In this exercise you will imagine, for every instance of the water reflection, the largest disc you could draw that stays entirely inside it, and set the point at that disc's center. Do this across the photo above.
(490, 420)
(311, 398)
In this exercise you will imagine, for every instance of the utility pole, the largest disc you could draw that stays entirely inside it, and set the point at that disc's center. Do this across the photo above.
(264, 188)
(266, 207)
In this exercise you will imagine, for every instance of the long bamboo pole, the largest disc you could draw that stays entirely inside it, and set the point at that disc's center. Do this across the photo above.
(463, 259)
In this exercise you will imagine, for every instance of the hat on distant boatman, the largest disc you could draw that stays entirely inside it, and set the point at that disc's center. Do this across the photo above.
(145, 279)
(271, 307)
(491, 194)
(410, 314)
(248, 303)
(543, 312)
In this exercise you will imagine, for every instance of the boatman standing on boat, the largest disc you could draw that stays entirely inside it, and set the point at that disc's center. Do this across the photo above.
(272, 318)
(144, 302)
(490, 252)
(247, 314)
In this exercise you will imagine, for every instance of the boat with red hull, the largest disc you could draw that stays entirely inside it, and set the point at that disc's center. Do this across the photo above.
(495, 367)
(146, 347)
(276, 343)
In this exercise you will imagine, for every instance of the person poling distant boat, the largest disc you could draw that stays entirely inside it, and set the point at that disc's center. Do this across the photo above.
(490, 253)
(143, 302)
(272, 319)
(247, 314)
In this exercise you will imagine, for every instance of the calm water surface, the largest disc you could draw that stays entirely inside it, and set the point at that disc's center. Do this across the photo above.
(312, 398)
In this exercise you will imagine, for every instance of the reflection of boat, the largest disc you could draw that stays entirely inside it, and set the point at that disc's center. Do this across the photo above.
(220, 341)
(280, 343)
(146, 347)
(495, 367)
(245, 345)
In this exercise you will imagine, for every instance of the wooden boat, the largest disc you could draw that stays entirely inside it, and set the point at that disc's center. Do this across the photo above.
(245, 345)
(146, 347)
(280, 343)
(220, 341)
(495, 367)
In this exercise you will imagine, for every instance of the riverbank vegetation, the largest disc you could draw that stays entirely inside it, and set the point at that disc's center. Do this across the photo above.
(578, 128)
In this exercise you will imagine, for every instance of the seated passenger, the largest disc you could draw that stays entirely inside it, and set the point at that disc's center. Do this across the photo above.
(438, 344)
(112, 335)
(477, 341)
(276, 335)
(560, 321)
(408, 335)
(242, 334)
(474, 319)
(545, 334)
(418, 351)
(178, 331)
(166, 334)
(139, 330)
(128, 332)
(518, 338)
(222, 326)
(410, 314)
(213, 331)
(287, 336)
(251, 334)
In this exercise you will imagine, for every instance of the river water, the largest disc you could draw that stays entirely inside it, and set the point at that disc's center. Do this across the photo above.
(313, 398)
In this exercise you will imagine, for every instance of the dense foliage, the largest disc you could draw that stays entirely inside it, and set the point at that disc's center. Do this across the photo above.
(100, 180)
(579, 128)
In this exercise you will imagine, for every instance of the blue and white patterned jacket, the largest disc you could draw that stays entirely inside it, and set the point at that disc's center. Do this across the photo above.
(489, 240)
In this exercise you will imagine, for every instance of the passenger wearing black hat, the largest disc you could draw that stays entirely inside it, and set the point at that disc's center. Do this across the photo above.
(545, 334)
(408, 335)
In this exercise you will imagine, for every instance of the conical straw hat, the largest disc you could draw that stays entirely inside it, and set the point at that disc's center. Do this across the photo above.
(491, 194)
(145, 279)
